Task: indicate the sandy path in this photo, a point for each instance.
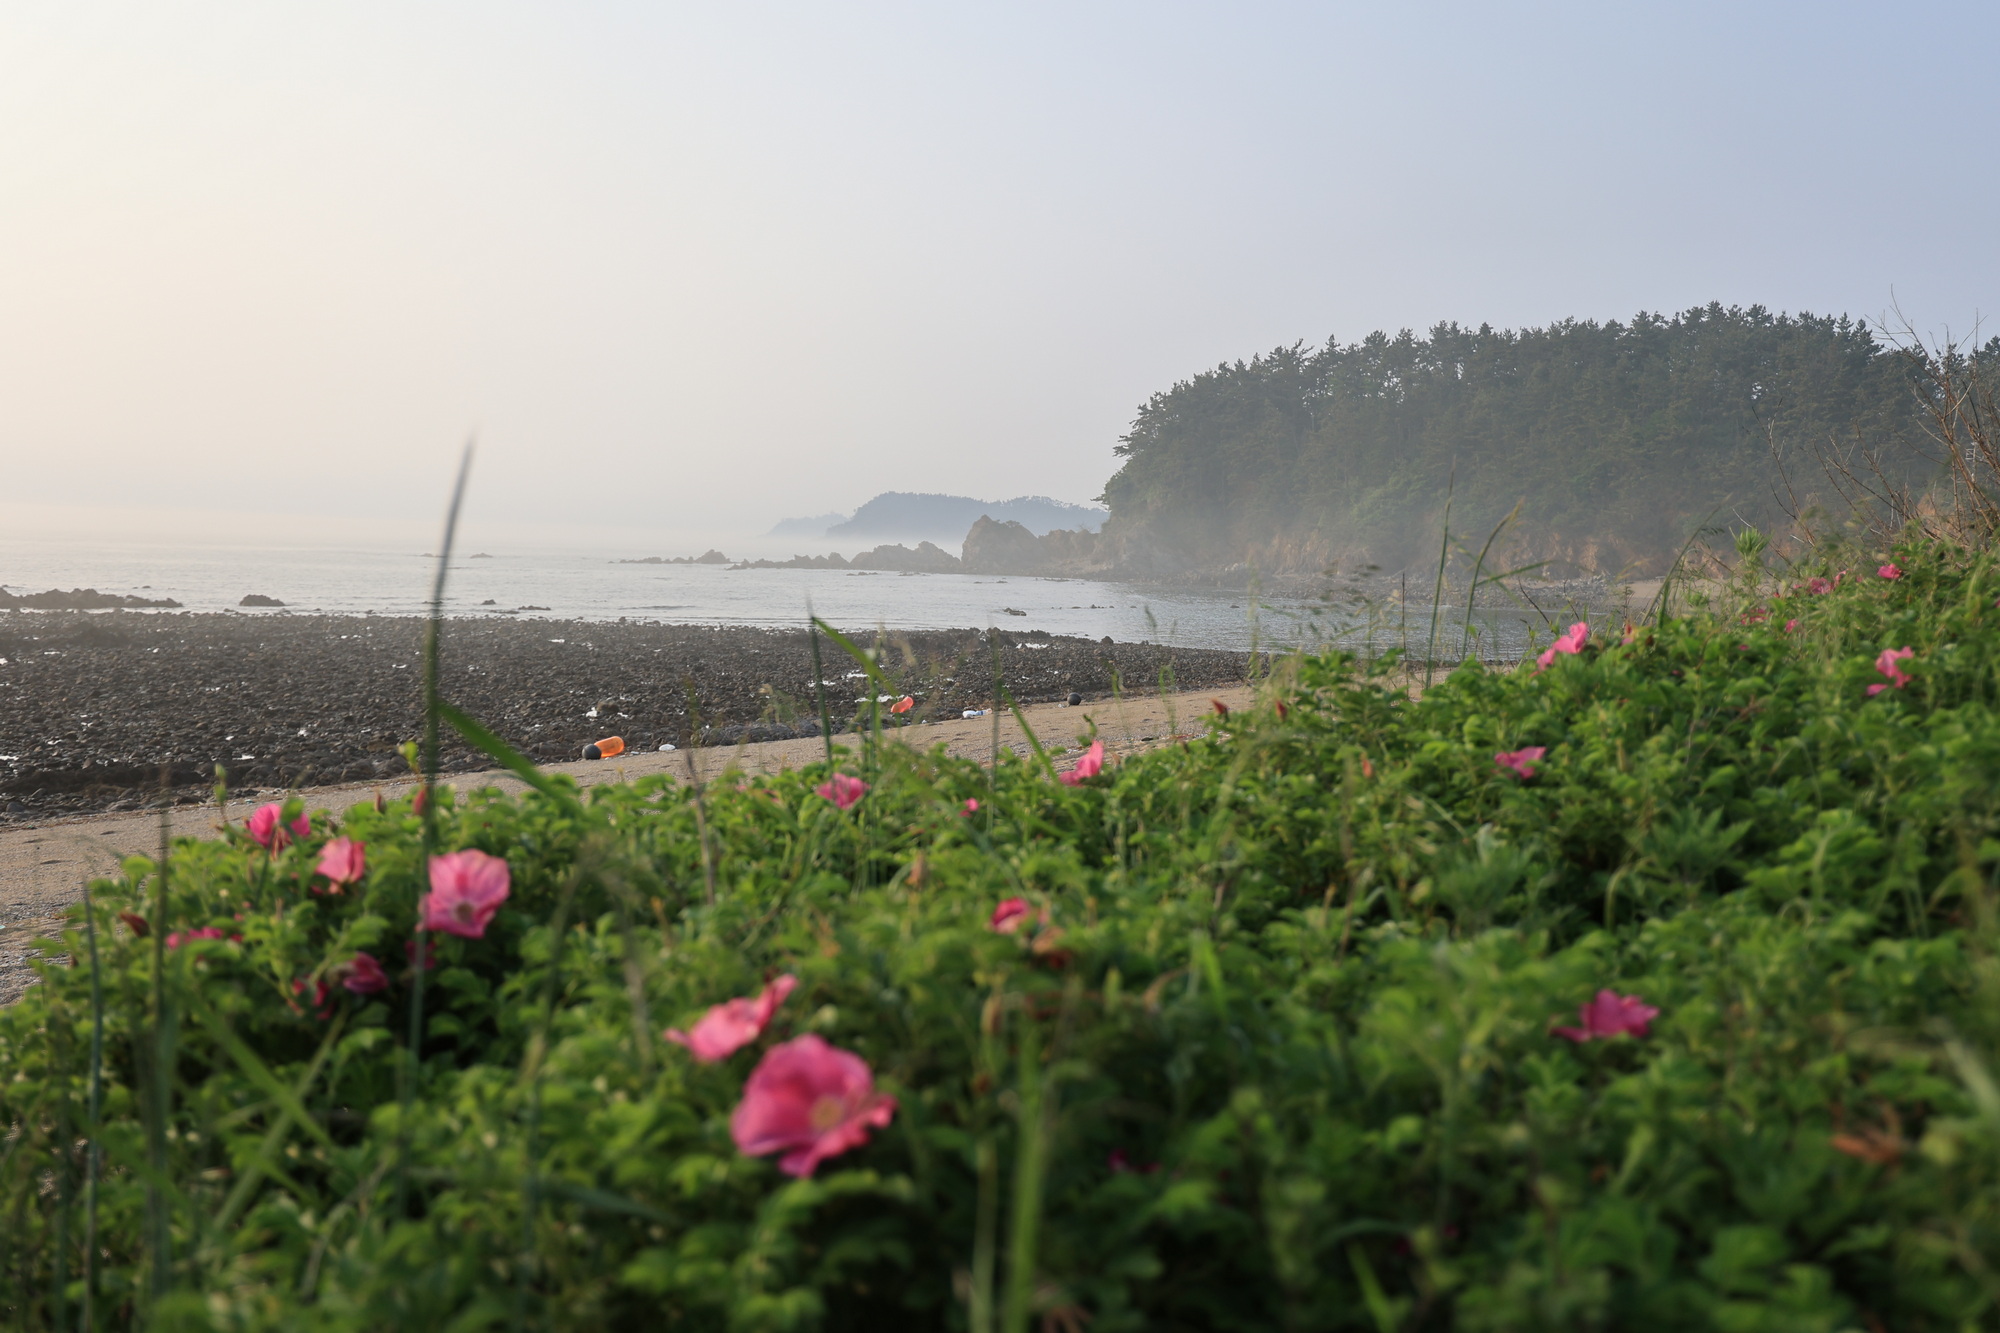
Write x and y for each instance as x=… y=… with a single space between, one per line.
x=43 y=866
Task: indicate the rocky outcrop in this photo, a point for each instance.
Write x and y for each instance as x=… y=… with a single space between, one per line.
x=1010 y=548
x=77 y=599
x=1003 y=548
x=708 y=557
x=831 y=560
x=927 y=558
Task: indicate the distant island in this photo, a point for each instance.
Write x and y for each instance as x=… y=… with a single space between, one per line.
x=708 y=557
x=941 y=518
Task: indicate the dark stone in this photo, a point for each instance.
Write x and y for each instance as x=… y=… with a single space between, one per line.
x=259 y=599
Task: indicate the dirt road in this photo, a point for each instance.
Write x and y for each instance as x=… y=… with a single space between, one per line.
x=44 y=866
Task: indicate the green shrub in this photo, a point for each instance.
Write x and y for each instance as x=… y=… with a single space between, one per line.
x=1271 y=1047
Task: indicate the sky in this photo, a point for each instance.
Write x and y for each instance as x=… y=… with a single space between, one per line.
x=694 y=268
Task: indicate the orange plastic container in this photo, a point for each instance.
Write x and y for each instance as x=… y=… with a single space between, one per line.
x=605 y=749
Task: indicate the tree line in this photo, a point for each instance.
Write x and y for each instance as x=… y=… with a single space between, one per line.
x=1617 y=439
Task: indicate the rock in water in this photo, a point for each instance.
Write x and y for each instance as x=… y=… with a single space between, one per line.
x=259 y=599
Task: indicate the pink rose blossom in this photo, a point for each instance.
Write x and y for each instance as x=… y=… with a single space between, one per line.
x=1089 y=766
x=320 y=1000
x=1889 y=571
x=1521 y=761
x=1009 y=915
x=1608 y=1015
x=1817 y=587
x=364 y=976
x=1887 y=665
x=1791 y=625
x=344 y=861
x=1571 y=642
x=1120 y=1163
x=263 y=828
x=843 y=790
x=971 y=806
x=175 y=940
x=810 y=1101
x=730 y=1026
x=467 y=888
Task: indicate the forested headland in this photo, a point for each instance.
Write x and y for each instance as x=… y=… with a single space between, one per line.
x=1617 y=440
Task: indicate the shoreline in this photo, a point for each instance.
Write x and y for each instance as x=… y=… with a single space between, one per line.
x=94 y=706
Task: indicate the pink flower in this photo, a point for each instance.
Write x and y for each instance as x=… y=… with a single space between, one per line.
x=320 y=1001
x=264 y=831
x=971 y=806
x=1521 y=761
x=430 y=954
x=1791 y=625
x=175 y=940
x=810 y=1101
x=344 y=861
x=1886 y=664
x=467 y=888
x=364 y=975
x=1629 y=637
x=1009 y=915
x=1120 y=1163
x=1818 y=587
x=1089 y=766
x=1888 y=572
x=1608 y=1015
x=843 y=790
x=730 y=1026
x=1571 y=642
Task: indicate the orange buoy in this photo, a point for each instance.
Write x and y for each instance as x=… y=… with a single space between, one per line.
x=605 y=749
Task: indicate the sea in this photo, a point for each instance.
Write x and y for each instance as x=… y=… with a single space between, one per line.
x=610 y=582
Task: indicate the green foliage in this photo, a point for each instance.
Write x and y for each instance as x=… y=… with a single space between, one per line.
x=1277 y=1056
x=1616 y=439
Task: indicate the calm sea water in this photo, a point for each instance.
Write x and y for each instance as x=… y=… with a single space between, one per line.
x=573 y=585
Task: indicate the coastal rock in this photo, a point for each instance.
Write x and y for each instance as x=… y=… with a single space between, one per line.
x=831 y=560
x=1003 y=548
x=709 y=557
x=259 y=599
x=78 y=599
x=927 y=558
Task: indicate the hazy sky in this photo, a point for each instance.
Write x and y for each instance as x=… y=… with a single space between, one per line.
x=699 y=266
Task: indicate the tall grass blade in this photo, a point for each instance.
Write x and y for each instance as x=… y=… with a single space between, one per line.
x=700 y=796
x=93 y=1149
x=819 y=685
x=159 y=1254
x=1024 y=1233
x=1478 y=568
x=433 y=714
x=1437 y=592
x=506 y=755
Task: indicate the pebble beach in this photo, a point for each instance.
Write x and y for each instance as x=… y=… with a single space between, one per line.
x=94 y=706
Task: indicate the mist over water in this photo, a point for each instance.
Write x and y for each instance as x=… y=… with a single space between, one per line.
x=573 y=585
